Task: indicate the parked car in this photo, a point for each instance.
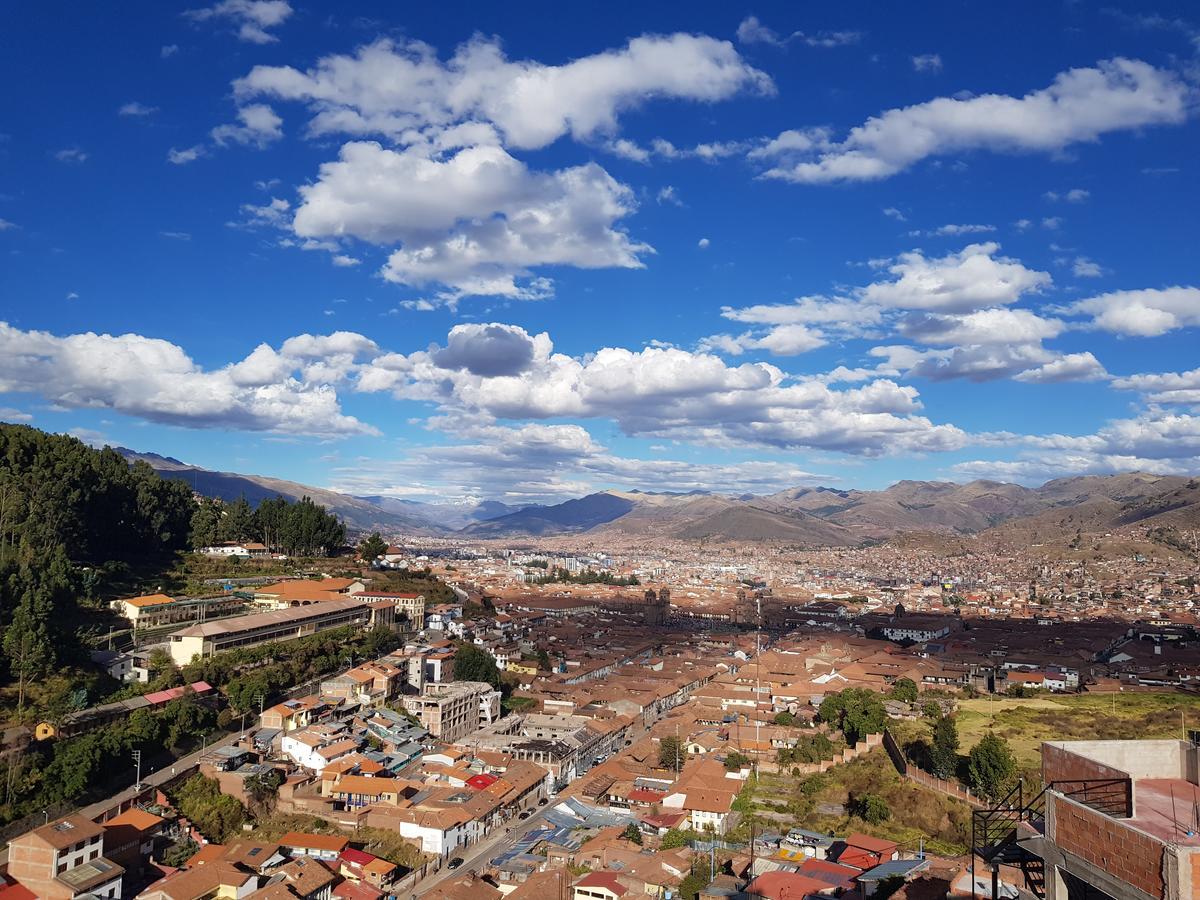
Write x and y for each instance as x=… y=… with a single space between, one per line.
x=455 y=863
x=524 y=814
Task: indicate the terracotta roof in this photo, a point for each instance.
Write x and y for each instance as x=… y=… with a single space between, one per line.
x=330 y=843
x=148 y=600
x=605 y=880
x=68 y=831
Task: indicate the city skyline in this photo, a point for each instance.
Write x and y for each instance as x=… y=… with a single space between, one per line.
x=466 y=252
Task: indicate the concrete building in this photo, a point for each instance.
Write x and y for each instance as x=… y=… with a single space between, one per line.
x=1122 y=819
x=277 y=625
x=452 y=710
x=157 y=610
x=409 y=607
x=63 y=860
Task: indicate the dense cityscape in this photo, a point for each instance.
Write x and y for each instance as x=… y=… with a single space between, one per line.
x=535 y=451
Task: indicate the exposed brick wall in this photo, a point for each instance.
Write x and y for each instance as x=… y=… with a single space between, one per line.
x=1106 y=843
x=1062 y=765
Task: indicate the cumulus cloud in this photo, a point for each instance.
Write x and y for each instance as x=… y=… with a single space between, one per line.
x=489 y=350
x=258 y=126
x=927 y=62
x=1149 y=442
x=1164 y=388
x=973 y=278
x=1070 y=367
x=672 y=393
x=252 y=18
x=395 y=88
x=987 y=326
x=1142 y=313
x=538 y=463
x=1086 y=268
x=1080 y=105
x=475 y=221
x=277 y=391
x=458 y=211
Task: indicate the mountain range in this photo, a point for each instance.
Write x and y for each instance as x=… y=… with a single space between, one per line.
x=814 y=516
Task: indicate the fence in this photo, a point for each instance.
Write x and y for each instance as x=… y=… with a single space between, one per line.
x=913 y=774
x=848 y=754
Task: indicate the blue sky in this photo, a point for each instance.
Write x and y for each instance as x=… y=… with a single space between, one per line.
x=478 y=250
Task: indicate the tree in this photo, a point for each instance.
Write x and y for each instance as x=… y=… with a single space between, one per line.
x=27 y=642
x=372 y=547
x=543 y=660
x=677 y=837
x=217 y=815
x=238 y=522
x=856 y=711
x=991 y=767
x=262 y=790
x=870 y=808
x=696 y=881
x=632 y=833
x=735 y=761
x=670 y=753
x=785 y=718
x=474 y=664
x=931 y=710
x=904 y=689
x=943 y=756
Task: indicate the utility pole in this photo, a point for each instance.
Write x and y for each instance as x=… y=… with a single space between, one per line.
x=137 y=761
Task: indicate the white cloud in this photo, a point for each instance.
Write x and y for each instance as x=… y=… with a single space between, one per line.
x=1074 y=195
x=1071 y=367
x=259 y=126
x=157 y=381
x=892 y=213
x=5 y=225
x=168 y=50
x=956 y=230
x=137 y=110
x=752 y=31
x=343 y=261
x=1165 y=388
x=398 y=88
x=1086 y=268
x=186 y=155
x=1080 y=106
x=1142 y=313
x=782 y=340
x=669 y=195
x=1052 y=223
x=674 y=394
x=973 y=278
x=927 y=62
x=8 y=414
x=252 y=18
x=71 y=155
x=986 y=326
x=547 y=463
x=703 y=243
x=176 y=235
x=475 y=221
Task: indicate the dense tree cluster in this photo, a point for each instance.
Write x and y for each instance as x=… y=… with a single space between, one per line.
x=473 y=664
x=248 y=673
x=810 y=748
x=991 y=767
x=302 y=528
x=75 y=769
x=856 y=711
x=69 y=513
x=559 y=575
x=218 y=816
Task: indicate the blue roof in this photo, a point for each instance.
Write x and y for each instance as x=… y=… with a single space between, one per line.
x=902 y=867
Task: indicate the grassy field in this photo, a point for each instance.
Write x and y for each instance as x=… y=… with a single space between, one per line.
x=1026 y=723
x=818 y=802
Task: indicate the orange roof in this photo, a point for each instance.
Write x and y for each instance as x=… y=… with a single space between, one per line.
x=310 y=841
x=135 y=818
x=148 y=600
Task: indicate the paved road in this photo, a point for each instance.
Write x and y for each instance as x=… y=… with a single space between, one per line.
x=477 y=856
